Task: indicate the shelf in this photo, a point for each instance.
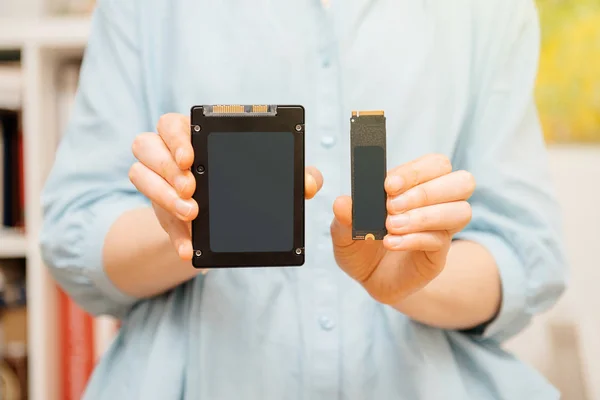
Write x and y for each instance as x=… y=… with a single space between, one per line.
x=13 y=243
x=52 y=33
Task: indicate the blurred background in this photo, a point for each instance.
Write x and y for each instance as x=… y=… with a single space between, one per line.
x=49 y=346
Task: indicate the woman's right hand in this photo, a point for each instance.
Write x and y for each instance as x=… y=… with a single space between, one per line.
x=162 y=173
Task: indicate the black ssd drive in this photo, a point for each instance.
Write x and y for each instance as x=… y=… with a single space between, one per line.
x=249 y=171
x=368 y=159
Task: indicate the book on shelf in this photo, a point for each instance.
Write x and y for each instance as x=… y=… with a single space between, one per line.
x=12 y=187
x=12 y=184
x=83 y=340
x=13 y=329
x=13 y=299
x=76 y=332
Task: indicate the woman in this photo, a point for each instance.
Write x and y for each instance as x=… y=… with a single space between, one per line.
x=421 y=315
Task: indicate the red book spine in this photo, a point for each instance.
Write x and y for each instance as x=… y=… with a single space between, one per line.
x=21 y=181
x=77 y=348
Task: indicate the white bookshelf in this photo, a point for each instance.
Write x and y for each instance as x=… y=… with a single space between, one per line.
x=45 y=43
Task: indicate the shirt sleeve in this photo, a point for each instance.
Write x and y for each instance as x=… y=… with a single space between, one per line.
x=515 y=212
x=88 y=187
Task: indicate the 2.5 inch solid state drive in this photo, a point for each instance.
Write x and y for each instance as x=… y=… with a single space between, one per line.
x=249 y=171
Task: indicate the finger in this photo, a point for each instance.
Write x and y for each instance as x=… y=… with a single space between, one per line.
x=421 y=170
x=313 y=182
x=450 y=217
x=341 y=227
x=174 y=130
x=422 y=241
x=181 y=239
x=151 y=151
x=455 y=186
x=161 y=193
x=179 y=233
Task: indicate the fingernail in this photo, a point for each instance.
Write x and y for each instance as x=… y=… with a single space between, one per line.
x=399 y=221
x=181 y=183
x=311 y=184
x=399 y=203
x=394 y=241
x=181 y=249
x=183 y=208
x=395 y=183
x=179 y=156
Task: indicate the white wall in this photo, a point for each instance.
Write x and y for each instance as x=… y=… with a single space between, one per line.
x=565 y=343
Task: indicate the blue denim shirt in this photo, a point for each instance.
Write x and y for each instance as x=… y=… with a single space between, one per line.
x=454 y=77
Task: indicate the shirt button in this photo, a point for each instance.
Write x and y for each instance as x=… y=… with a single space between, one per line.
x=326 y=323
x=328 y=141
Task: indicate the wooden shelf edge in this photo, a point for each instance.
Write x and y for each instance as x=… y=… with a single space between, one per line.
x=50 y=32
x=13 y=244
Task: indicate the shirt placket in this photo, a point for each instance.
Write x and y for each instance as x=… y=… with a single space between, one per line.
x=325 y=332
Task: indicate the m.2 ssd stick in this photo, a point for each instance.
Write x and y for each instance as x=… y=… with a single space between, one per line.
x=368 y=162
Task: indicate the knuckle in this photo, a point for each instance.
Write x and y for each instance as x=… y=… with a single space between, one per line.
x=188 y=187
x=420 y=195
x=170 y=200
x=138 y=144
x=389 y=226
x=164 y=168
x=435 y=243
x=427 y=218
x=134 y=172
x=173 y=128
x=142 y=144
x=443 y=162
x=391 y=207
x=418 y=219
x=164 y=123
x=178 y=125
x=412 y=175
x=190 y=181
x=436 y=216
x=471 y=182
x=440 y=240
x=467 y=212
x=171 y=124
x=468 y=180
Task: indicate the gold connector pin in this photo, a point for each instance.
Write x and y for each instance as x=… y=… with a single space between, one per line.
x=260 y=108
x=366 y=113
x=228 y=109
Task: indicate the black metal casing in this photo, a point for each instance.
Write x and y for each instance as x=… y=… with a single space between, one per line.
x=287 y=118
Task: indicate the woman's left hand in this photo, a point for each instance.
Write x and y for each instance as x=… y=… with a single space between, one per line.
x=427 y=204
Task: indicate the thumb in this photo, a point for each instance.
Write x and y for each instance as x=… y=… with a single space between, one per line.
x=358 y=258
x=341 y=228
x=313 y=182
